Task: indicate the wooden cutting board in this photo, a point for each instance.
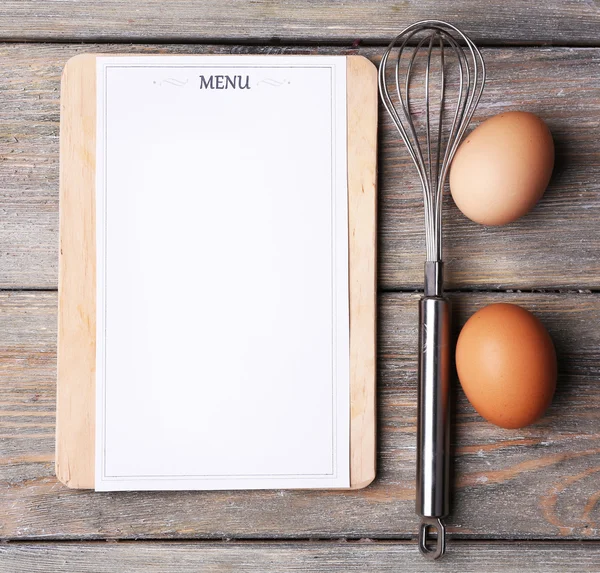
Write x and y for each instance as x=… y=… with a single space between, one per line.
x=75 y=419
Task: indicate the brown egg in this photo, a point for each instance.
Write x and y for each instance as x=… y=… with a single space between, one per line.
x=506 y=364
x=502 y=168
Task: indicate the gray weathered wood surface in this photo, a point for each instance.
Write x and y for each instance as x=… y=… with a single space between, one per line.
x=253 y=557
x=539 y=482
x=573 y=22
x=555 y=246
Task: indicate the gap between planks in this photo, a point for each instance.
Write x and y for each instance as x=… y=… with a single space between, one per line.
x=385 y=290
x=349 y=43
x=300 y=541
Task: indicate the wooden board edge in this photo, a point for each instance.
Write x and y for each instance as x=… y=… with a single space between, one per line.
x=75 y=423
x=361 y=80
x=76 y=345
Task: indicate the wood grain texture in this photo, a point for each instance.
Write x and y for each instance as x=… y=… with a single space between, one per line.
x=75 y=416
x=541 y=482
x=76 y=368
x=574 y=22
x=256 y=557
x=553 y=247
x=362 y=95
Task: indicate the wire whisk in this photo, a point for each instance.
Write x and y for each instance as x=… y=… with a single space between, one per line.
x=450 y=56
x=432 y=165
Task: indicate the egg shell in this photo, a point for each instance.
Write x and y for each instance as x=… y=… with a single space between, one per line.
x=506 y=365
x=502 y=168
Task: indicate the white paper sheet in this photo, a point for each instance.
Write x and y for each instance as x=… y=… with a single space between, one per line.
x=222 y=264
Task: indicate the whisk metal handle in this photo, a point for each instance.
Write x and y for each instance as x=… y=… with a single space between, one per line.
x=433 y=421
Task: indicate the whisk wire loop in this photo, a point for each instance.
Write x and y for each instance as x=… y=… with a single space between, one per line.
x=432 y=164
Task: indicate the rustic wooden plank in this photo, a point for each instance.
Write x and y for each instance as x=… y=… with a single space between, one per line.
x=550 y=247
x=554 y=247
x=261 y=557
x=539 y=482
x=569 y=21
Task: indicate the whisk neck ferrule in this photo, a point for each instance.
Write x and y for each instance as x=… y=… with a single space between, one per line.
x=434 y=278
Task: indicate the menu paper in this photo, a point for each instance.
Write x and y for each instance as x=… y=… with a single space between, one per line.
x=222 y=347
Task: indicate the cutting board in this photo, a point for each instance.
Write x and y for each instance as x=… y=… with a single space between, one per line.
x=75 y=420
